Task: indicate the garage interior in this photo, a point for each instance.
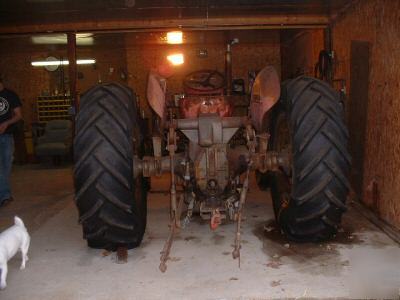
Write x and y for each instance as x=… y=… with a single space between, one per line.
x=350 y=44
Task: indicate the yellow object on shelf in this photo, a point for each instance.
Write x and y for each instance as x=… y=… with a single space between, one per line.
x=53 y=108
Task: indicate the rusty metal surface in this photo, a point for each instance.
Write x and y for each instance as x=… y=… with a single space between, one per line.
x=193 y=106
x=210 y=130
x=216 y=219
x=209 y=171
x=154 y=166
x=265 y=93
x=122 y=255
x=227 y=122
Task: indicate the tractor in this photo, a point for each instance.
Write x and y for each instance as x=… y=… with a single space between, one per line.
x=294 y=137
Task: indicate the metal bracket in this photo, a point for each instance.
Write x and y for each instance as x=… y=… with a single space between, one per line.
x=251 y=138
x=271 y=160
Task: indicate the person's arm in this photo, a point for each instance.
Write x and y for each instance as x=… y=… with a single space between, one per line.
x=17 y=115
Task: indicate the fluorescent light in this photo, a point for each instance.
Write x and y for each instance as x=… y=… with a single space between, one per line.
x=176 y=59
x=48 y=63
x=175 y=37
x=82 y=39
x=62 y=62
x=85 y=61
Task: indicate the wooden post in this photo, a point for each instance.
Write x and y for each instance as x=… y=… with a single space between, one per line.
x=72 y=70
x=328 y=41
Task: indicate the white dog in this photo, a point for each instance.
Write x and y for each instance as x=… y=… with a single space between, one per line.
x=11 y=240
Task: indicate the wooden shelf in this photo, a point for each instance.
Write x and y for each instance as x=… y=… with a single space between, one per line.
x=53 y=108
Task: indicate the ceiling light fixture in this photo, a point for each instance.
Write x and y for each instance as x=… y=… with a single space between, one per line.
x=176 y=59
x=43 y=63
x=175 y=37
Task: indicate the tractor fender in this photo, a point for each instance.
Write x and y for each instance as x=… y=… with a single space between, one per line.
x=265 y=93
x=156 y=89
x=156 y=86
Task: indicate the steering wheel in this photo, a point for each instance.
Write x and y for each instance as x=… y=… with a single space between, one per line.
x=204 y=80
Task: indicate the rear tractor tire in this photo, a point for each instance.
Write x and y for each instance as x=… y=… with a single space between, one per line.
x=309 y=197
x=111 y=202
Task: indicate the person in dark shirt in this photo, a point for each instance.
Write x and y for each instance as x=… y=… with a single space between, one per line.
x=10 y=114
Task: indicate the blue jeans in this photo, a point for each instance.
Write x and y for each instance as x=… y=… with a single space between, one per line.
x=6 y=158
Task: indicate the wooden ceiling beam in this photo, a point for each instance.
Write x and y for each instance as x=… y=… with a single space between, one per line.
x=242 y=22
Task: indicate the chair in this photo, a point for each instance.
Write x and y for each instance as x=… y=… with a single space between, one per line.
x=56 y=140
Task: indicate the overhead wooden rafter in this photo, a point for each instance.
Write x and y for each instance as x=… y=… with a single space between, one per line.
x=28 y=16
x=259 y=22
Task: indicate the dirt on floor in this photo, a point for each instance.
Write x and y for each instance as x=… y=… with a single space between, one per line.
x=360 y=262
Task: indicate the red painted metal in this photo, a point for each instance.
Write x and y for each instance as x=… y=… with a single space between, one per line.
x=215 y=220
x=191 y=107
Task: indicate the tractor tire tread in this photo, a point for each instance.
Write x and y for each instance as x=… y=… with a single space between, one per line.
x=321 y=161
x=103 y=174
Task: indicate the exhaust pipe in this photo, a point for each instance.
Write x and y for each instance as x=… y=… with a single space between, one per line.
x=228 y=65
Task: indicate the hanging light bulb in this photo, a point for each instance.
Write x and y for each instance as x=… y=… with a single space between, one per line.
x=176 y=59
x=175 y=37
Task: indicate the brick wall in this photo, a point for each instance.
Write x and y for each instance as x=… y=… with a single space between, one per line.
x=246 y=56
x=132 y=58
x=30 y=82
x=377 y=22
x=300 y=50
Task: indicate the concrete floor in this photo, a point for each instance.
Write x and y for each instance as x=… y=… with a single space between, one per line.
x=361 y=262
